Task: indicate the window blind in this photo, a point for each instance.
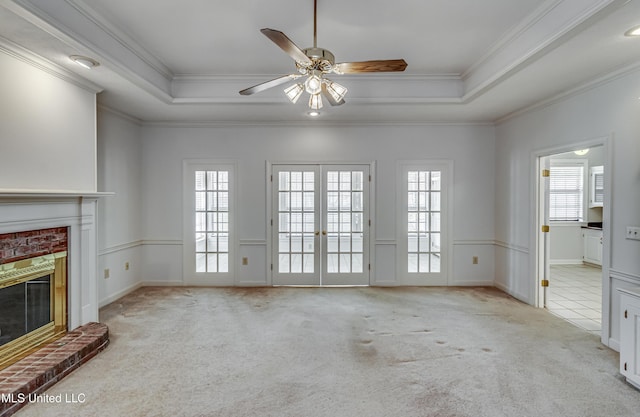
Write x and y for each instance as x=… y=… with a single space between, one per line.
x=566 y=188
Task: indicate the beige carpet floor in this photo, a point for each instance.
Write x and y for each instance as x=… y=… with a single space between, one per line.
x=341 y=352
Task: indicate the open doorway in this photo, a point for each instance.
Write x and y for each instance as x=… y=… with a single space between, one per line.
x=571 y=205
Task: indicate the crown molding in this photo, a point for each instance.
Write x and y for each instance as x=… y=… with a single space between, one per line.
x=67 y=21
x=121 y=37
x=576 y=91
x=118 y=113
x=512 y=35
x=542 y=31
x=16 y=51
x=311 y=123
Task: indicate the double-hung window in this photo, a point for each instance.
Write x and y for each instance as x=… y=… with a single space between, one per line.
x=567 y=191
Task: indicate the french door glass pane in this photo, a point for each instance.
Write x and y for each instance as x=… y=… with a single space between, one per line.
x=423 y=221
x=344 y=220
x=296 y=225
x=212 y=221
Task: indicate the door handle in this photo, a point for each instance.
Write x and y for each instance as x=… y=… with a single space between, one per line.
x=317 y=233
x=324 y=233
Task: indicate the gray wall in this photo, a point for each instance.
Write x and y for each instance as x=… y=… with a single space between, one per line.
x=606 y=111
x=47 y=130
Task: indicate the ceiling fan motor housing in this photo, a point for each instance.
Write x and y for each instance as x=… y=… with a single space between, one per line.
x=322 y=59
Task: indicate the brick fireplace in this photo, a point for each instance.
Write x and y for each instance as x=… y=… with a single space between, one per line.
x=58 y=228
x=32 y=243
x=21 y=213
x=33 y=295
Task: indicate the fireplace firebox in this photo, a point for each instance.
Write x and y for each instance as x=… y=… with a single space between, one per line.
x=33 y=303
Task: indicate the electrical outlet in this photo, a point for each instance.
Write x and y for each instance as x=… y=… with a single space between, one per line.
x=245 y=261
x=475 y=260
x=633 y=233
x=126 y=266
x=106 y=273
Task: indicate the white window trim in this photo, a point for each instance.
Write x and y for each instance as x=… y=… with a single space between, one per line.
x=190 y=276
x=424 y=279
x=584 y=163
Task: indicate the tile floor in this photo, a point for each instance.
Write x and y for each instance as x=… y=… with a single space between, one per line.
x=575 y=294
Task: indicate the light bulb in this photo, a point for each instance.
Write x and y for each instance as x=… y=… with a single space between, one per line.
x=313 y=85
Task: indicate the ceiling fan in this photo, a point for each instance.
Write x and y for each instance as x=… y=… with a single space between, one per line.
x=315 y=63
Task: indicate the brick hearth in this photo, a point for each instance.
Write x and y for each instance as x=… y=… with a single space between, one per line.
x=32 y=375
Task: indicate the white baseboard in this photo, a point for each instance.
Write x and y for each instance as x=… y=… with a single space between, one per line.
x=253 y=284
x=565 y=262
x=506 y=289
x=614 y=344
x=119 y=294
x=163 y=284
x=472 y=283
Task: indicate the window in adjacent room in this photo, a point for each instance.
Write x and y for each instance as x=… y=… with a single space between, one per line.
x=566 y=191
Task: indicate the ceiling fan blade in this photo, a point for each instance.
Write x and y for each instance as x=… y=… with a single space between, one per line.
x=268 y=84
x=388 y=65
x=329 y=97
x=286 y=45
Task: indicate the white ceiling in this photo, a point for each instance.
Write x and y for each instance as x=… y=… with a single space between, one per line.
x=468 y=60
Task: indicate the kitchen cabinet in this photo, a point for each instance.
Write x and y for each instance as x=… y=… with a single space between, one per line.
x=630 y=335
x=596 y=186
x=592 y=246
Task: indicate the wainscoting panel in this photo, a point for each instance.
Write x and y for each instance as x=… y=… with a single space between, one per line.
x=464 y=271
x=256 y=270
x=124 y=266
x=512 y=263
x=162 y=260
x=618 y=279
x=384 y=263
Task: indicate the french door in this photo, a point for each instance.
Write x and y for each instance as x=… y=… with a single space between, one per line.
x=320 y=224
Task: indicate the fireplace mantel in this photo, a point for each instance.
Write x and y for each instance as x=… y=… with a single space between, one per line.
x=23 y=210
x=48 y=194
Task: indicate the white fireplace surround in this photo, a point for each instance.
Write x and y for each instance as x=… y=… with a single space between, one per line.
x=77 y=211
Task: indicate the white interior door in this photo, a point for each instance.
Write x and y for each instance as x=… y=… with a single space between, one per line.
x=320 y=224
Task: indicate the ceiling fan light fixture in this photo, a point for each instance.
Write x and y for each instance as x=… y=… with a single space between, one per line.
x=313 y=64
x=315 y=102
x=294 y=92
x=336 y=90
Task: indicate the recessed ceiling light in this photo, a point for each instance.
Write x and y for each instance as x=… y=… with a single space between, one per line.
x=581 y=152
x=313 y=113
x=634 y=31
x=84 y=61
